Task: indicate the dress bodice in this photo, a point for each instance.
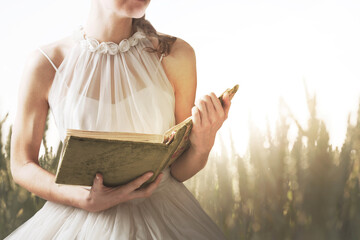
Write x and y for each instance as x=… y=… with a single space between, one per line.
x=112 y=87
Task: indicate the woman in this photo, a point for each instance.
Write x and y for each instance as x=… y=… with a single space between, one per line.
x=115 y=74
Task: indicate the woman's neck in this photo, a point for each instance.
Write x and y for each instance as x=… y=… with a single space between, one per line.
x=106 y=26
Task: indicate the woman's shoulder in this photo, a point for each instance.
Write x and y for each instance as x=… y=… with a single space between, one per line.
x=181 y=56
x=38 y=71
x=180 y=64
x=55 y=50
x=179 y=50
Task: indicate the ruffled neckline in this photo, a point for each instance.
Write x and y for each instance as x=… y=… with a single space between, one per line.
x=111 y=48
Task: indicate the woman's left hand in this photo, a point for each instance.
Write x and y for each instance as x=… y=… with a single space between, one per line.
x=208 y=115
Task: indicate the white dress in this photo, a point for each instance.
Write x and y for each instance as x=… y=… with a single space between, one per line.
x=118 y=87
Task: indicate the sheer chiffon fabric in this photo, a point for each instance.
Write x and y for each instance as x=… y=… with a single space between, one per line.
x=121 y=88
x=126 y=92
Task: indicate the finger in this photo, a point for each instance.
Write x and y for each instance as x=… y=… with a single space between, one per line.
x=98 y=182
x=131 y=186
x=203 y=113
x=196 y=116
x=217 y=105
x=147 y=191
x=211 y=111
x=99 y=179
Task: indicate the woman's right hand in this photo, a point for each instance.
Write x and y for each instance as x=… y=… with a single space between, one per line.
x=100 y=197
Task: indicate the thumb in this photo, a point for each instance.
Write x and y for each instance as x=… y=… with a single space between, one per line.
x=98 y=180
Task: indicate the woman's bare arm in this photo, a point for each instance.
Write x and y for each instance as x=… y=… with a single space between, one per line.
x=28 y=131
x=208 y=114
x=26 y=138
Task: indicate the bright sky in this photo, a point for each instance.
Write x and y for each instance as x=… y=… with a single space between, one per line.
x=267 y=47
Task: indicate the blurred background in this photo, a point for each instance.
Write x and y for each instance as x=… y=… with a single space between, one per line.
x=285 y=164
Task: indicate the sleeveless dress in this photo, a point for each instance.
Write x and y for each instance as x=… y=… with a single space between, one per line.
x=118 y=87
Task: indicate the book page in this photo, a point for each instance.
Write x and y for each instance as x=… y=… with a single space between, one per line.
x=136 y=137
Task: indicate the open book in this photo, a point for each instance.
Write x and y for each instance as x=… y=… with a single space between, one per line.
x=120 y=156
